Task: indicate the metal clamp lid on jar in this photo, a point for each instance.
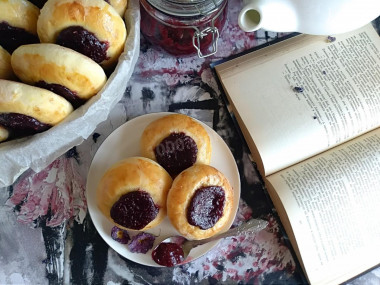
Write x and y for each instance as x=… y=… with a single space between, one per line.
x=193 y=8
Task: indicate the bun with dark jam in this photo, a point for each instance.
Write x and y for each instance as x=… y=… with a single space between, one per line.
x=26 y=110
x=132 y=193
x=59 y=69
x=176 y=142
x=200 y=202
x=91 y=27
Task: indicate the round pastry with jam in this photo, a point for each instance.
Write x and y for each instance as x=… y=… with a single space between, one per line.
x=176 y=142
x=18 y=24
x=27 y=110
x=61 y=70
x=200 y=202
x=132 y=193
x=93 y=28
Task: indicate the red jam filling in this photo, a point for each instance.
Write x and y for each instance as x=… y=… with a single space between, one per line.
x=63 y=91
x=20 y=125
x=84 y=42
x=206 y=207
x=176 y=153
x=134 y=210
x=13 y=37
x=168 y=254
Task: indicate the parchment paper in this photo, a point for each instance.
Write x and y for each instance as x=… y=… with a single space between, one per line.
x=38 y=151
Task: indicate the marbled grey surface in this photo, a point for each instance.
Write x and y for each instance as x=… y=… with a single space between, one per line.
x=47 y=236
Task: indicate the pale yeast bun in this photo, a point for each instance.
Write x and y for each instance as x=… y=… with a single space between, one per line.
x=20 y=14
x=163 y=127
x=96 y=16
x=6 y=71
x=180 y=196
x=43 y=105
x=55 y=64
x=130 y=175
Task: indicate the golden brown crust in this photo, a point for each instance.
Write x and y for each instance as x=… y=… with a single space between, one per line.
x=4 y=134
x=130 y=175
x=6 y=71
x=20 y=14
x=120 y=6
x=41 y=104
x=182 y=191
x=159 y=129
x=96 y=16
x=58 y=65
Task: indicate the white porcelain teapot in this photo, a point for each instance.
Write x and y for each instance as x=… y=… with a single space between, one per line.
x=319 y=17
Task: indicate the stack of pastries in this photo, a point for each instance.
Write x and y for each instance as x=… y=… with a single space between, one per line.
x=54 y=56
x=173 y=178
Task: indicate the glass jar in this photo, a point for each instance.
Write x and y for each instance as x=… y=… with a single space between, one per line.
x=183 y=27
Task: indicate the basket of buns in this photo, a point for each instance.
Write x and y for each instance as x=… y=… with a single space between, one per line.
x=64 y=64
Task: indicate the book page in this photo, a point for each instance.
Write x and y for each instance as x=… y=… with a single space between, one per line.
x=332 y=208
x=305 y=95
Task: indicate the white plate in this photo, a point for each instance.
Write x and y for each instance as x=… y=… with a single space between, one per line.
x=123 y=143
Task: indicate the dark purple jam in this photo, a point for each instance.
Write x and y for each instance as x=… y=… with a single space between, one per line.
x=63 y=91
x=206 y=207
x=176 y=153
x=134 y=210
x=20 y=125
x=168 y=254
x=84 y=42
x=13 y=37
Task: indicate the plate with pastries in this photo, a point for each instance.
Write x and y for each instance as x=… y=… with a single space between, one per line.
x=160 y=175
x=63 y=65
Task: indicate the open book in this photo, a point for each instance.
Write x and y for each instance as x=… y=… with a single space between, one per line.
x=309 y=109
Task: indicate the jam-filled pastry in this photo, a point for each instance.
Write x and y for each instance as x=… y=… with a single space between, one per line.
x=26 y=110
x=4 y=134
x=176 y=142
x=6 y=71
x=18 y=23
x=61 y=70
x=132 y=193
x=119 y=5
x=200 y=202
x=91 y=27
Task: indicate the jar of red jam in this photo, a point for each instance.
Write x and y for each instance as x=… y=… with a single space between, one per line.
x=183 y=27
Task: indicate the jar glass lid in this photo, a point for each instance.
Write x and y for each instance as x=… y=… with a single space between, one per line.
x=186 y=8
